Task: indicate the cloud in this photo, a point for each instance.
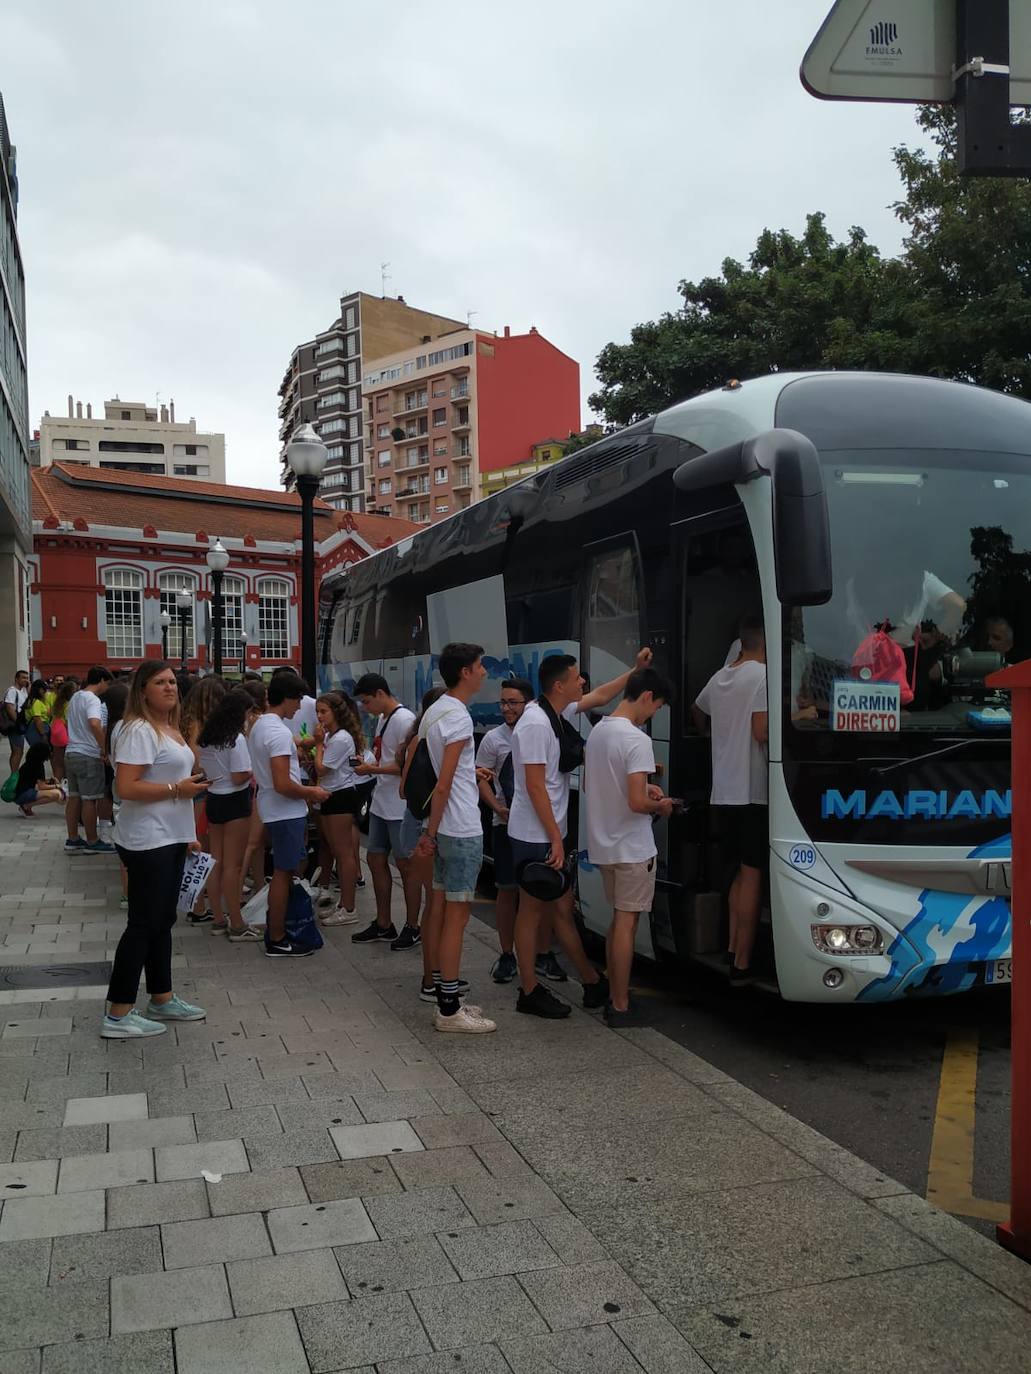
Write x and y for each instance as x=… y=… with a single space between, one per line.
x=201 y=182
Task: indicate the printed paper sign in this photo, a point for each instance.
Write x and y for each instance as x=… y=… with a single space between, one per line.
x=866 y=707
x=195 y=875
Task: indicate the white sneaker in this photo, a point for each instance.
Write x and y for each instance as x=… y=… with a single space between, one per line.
x=466 y=1021
x=130 y=1027
x=340 y=917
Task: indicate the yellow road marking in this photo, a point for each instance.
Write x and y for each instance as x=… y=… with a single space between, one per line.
x=950 y=1169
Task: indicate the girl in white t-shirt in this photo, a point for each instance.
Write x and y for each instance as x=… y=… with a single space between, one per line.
x=223 y=754
x=339 y=743
x=157 y=783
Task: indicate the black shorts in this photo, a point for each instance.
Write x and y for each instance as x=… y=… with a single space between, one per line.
x=346 y=802
x=745 y=831
x=228 y=806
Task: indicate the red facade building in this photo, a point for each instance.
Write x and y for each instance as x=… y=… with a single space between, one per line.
x=112 y=550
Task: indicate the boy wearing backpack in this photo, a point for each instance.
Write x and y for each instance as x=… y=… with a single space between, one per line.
x=14 y=701
x=546 y=750
x=446 y=773
x=495 y=755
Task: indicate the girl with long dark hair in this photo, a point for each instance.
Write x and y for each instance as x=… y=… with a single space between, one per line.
x=339 y=745
x=59 y=726
x=156 y=782
x=226 y=761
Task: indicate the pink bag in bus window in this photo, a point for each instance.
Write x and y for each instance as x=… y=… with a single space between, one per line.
x=884 y=661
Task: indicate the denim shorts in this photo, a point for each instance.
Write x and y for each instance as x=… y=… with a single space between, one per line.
x=287 y=839
x=411 y=829
x=504 y=864
x=385 y=836
x=456 y=866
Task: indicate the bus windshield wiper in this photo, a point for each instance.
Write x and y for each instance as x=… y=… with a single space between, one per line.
x=952 y=747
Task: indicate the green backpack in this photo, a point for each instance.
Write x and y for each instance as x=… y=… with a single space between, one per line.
x=10 y=789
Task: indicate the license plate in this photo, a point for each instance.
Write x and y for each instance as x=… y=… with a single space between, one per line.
x=999 y=971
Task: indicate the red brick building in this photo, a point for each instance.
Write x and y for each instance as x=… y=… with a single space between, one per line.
x=111 y=550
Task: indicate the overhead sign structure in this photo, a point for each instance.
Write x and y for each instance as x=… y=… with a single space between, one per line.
x=974 y=54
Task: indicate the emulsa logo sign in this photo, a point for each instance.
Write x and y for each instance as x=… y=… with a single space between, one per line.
x=884 y=40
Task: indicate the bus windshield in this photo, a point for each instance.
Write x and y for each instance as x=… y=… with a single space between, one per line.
x=931 y=554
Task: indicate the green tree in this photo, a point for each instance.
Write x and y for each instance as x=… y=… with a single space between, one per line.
x=956 y=303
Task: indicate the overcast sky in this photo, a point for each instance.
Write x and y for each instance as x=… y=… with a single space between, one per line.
x=201 y=181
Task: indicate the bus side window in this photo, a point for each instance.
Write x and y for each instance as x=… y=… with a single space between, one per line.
x=535 y=617
x=720 y=585
x=612 y=614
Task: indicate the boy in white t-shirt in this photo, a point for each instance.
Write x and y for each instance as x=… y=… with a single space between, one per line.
x=454 y=832
x=283 y=802
x=733 y=705
x=621 y=806
x=538 y=818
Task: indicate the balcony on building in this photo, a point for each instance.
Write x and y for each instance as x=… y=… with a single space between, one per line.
x=406 y=408
x=420 y=488
x=462 y=480
x=461 y=421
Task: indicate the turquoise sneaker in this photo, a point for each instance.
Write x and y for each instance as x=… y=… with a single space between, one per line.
x=133 y=1026
x=175 y=1010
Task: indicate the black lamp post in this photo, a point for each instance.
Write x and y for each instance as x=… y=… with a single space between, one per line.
x=165 y=620
x=306 y=454
x=183 y=604
x=218 y=561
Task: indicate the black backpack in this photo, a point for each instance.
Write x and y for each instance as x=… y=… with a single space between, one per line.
x=570 y=741
x=421 y=782
x=506 y=779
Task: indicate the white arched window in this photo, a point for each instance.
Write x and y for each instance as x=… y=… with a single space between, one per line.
x=169 y=584
x=274 y=617
x=232 y=615
x=123 y=612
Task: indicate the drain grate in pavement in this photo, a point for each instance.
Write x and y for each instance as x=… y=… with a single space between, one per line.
x=54 y=975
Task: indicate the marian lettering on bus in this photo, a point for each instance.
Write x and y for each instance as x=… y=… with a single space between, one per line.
x=866 y=707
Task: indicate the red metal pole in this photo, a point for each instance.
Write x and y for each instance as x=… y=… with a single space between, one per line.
x=1015 y=1234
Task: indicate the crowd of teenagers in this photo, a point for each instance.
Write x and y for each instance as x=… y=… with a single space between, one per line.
x=272 y=782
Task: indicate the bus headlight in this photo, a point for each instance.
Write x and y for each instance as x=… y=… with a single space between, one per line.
x=842 y=939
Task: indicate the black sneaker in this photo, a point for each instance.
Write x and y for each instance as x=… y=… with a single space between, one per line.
x=548 y=966
x=374 y=931
x=740 y=977
x=622 y=1020
x=359 y=882
x=283 y=949
x=505 y=968
x=596 y=994
x=410 y=937
x=200 y=918
x=541 y=1002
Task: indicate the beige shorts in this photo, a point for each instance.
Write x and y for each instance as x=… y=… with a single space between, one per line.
x=629 y=887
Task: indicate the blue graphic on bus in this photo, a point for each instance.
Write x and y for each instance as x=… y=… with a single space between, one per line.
x=920 y=804
x=952 y=933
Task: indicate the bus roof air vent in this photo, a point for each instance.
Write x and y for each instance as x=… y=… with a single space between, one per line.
x=598 y=458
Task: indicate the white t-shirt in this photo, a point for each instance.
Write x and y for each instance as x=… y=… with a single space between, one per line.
x=83 y=707
x=150 y=825
x=739 y=762
x=220 y=764
x=16 y=697
x=534 y=741
x=448 y=722
x=615 y=834
x=338 y=751
x=494 y=749
x=270 y=738
x=387 y=801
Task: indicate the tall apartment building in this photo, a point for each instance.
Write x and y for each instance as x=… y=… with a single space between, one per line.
x=15 y=499
x=440 y=417
x=132 y=437
x=322 y=385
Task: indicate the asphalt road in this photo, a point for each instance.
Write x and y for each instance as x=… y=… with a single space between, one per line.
x=865 y=1076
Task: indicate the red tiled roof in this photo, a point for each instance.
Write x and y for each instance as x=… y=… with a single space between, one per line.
x=132 y=500
x=376 y=530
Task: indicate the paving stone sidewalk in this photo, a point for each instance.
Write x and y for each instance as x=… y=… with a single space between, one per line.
x=314 y=1179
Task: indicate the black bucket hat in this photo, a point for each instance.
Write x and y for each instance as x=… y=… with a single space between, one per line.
x=539 y=880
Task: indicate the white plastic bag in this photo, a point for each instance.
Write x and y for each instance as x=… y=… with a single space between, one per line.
x=255 y=909
x=195 y=874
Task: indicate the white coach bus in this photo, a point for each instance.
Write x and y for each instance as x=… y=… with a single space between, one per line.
x=881 y=525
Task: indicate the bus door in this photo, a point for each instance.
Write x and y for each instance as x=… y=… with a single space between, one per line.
x=612 y=630
x=719 y=584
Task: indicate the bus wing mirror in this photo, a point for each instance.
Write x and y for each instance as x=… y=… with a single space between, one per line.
x=801 y=533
